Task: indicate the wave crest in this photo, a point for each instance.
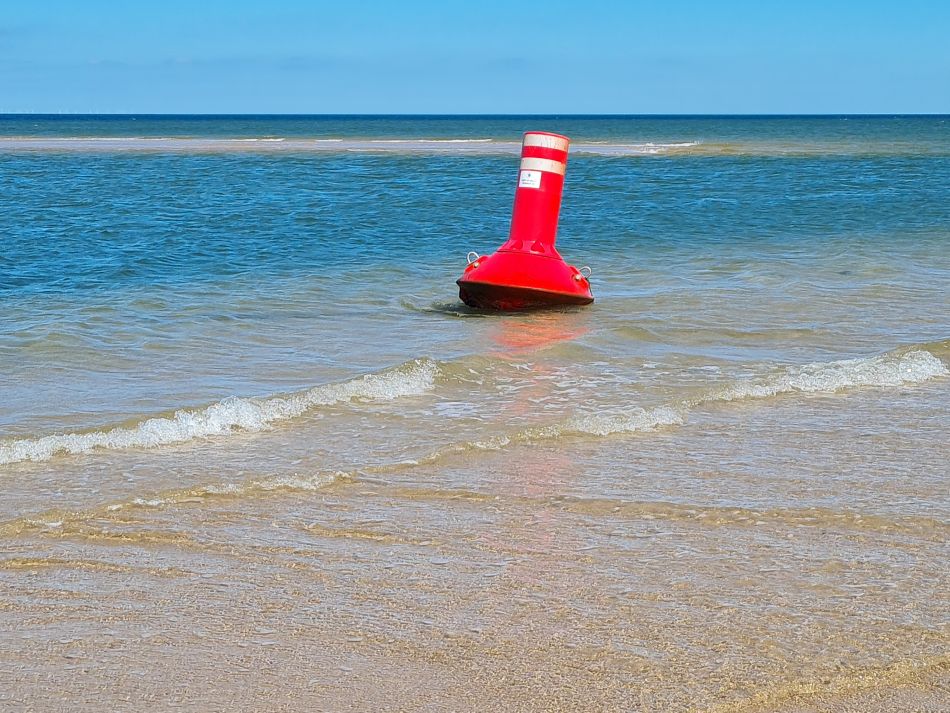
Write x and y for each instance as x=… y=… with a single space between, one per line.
x=230 y=414
x=634 y=420
x=898 y=368
x=892 y=369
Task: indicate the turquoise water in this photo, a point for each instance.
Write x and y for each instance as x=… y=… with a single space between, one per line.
x=205 y=332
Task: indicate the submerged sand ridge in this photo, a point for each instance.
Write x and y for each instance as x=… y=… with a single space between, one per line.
x=447 y=147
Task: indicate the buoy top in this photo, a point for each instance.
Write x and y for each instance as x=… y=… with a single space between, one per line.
x=545 y=141
x=543 y=151
x=547 y=133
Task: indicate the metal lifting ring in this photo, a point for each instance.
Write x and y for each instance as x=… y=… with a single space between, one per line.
x=589 y=271
x=470 y=258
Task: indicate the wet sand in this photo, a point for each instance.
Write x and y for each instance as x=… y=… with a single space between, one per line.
x=495 y=586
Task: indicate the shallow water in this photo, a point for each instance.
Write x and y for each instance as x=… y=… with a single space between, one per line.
x=245 y=418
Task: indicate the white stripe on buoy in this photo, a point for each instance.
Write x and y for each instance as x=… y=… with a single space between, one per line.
x=543 y=164
x=547 y=142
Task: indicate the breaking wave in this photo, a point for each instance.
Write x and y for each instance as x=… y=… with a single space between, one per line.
x=891 y=369
x=885 y=370
x=898 y=368
x=230 y=414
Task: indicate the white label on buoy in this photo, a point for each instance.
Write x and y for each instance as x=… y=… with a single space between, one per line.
x=529 y=179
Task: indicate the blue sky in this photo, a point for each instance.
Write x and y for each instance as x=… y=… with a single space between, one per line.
x=482 y=56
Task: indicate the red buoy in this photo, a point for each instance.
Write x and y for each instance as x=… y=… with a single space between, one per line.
x=527 y=271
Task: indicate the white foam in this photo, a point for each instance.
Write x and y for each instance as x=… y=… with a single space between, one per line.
x=45 y=523
x=423 y=141
x=603 y=424
x=886 y=370
x=294 y=482
x=199 y=494
x=88 y=138
x=493 y=443
x=606 y=423
x=627 y=421
x=231 y=414
x=645 y=149
x=892 y=369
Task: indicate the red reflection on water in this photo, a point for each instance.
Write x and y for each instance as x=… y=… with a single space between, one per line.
x=535 y=472
x=516 y=336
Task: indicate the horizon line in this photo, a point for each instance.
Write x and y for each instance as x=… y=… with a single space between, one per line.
x=478 y=116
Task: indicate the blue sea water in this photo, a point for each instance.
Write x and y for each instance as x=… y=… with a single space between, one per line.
x=146 y=235
x=142 y=277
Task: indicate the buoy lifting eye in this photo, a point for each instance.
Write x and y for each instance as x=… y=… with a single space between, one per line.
x=470 y=257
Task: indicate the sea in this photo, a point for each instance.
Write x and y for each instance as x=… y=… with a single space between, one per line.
x=255 y=453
